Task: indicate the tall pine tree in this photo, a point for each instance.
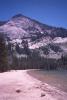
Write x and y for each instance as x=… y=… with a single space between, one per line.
x=3 y=54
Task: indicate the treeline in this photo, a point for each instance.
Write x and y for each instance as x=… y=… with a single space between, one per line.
x=32 y=61
x=36 y=62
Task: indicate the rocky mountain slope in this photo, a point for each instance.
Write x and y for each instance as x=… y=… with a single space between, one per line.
x=2 y=22
x=39 y=36
x=26 y=27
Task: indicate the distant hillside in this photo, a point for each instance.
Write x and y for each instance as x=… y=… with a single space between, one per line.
x=26 y=37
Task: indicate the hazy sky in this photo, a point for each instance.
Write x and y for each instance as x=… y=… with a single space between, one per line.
x=51 y=12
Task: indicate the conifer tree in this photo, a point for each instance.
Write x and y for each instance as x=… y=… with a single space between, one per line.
x=3 y=54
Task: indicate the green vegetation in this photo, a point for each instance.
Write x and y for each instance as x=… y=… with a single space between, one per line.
x=3 y=54
x=33 y=60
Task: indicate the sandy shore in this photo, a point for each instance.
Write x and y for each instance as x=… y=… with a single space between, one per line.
x=19 y=85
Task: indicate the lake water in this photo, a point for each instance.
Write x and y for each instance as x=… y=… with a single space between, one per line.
x=57 y=79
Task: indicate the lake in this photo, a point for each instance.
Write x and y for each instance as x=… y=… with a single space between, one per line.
x=57 y=79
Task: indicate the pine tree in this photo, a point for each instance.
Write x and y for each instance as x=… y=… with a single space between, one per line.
x=25 y=46
x=3 y=54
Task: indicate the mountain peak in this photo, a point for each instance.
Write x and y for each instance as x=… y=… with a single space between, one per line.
x=18 y=15
x=23 y=25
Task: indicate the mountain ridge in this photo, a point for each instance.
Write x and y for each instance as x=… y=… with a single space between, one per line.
x=40 y=37
x=30 y=26
x=19 y=14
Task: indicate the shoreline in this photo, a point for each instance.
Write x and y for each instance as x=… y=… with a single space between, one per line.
x=56 y=79
x=19 y=85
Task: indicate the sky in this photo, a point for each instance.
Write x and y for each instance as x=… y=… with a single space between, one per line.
x=51 y=12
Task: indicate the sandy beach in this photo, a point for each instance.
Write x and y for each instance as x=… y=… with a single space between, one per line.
x=19 y=85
